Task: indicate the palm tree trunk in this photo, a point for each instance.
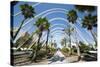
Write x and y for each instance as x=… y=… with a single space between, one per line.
x=36 y=50
x=70 y=52
x=78 y=51
x=18 y=29
x=47 y=40
x=94 y=37
x=77 y=45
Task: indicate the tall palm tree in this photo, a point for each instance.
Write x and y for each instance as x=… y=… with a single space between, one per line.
x=46 y=27
x=77 y=45
x=47 y=39
x=72 y=17
x=27 y=12
x=90 y=10
x=89 y=22
x=69 y=32
x=42 y=25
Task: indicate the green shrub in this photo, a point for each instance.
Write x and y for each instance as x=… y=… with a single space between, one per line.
x=84 y=47
x=65 y=50
x=41 y=54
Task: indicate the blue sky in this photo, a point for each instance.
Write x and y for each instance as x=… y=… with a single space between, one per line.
x=57 y=17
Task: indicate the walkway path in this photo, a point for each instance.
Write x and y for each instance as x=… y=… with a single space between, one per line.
x=21 y=59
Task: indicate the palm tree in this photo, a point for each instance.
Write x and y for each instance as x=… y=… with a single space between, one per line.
x=72 y=17
x=69 y=32
x=88 y=10
x=89 y=17
x=77 y=45
x=47 y=25
x=42 y=25
x=89 y=22
x=47 y=39
x=27 y=12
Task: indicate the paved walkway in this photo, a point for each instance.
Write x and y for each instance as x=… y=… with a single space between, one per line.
x=58 y=58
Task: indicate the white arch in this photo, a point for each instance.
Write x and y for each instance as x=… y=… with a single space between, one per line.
x=68 y=23
x=53 y=25
x=44 y=35
x=46 y=11
x=57 y=32
x=58 y=25
x=56 y=29
x=79 y=19
x=72 y=37
x=53 y=12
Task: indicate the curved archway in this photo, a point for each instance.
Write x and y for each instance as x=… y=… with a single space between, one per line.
x=53 y=12
x=56 y=29
x=46 y=11
x=60 y=25
x=62 y=11
x=56 y=18
x=78 y=31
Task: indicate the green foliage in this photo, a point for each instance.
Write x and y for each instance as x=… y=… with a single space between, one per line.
x=65 y=50
x=27 y=11
x=84 y=47
x=52 y=50
x=84 y=8
x=41 y=54
x=42 y=24
x=47 y=26
x=72 y=16
x=89 y=21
